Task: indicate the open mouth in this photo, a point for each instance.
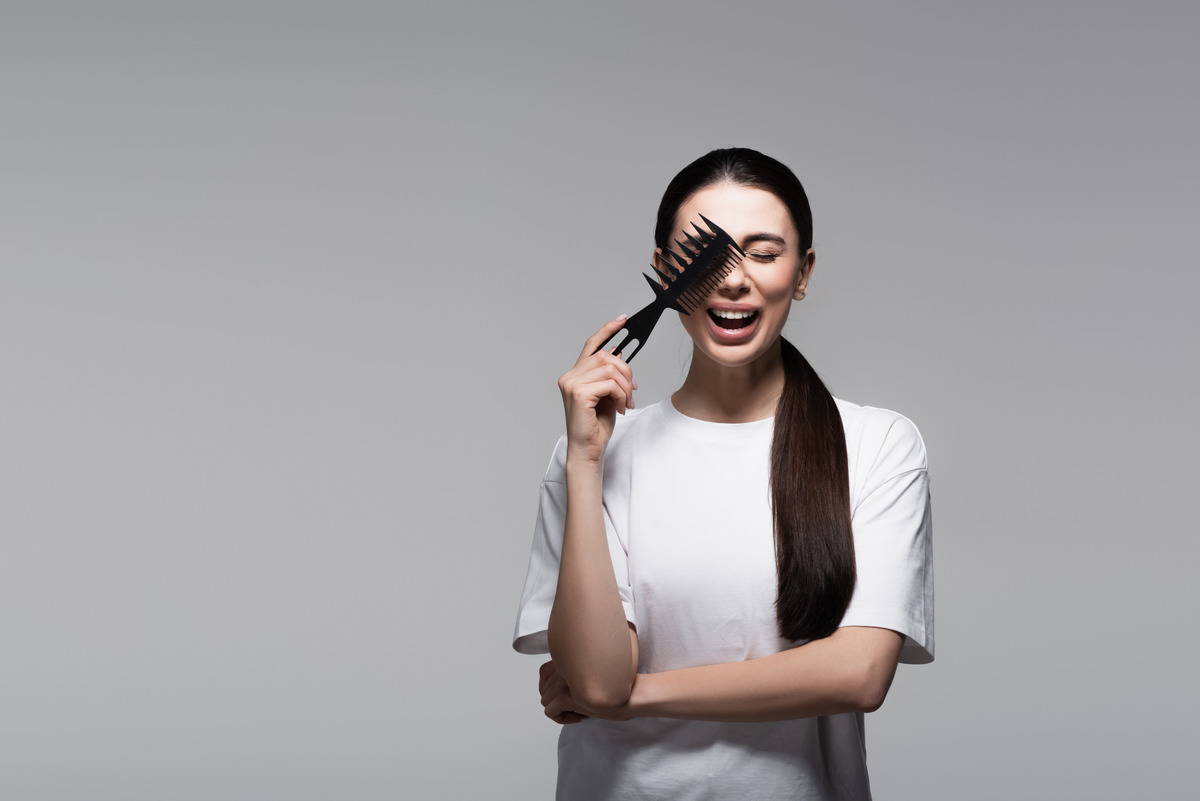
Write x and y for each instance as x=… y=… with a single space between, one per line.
x=732 y=320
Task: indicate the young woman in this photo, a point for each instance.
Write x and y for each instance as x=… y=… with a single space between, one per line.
x=726 y=580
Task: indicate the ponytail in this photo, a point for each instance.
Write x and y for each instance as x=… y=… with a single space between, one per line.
x=810 y=501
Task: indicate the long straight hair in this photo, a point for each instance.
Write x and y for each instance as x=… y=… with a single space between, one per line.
x=810 y=482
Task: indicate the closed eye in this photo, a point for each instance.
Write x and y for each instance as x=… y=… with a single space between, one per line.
x=764 y=257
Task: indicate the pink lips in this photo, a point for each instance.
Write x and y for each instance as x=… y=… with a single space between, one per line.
x=733 y=336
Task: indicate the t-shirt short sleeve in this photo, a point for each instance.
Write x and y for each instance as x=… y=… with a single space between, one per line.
x=541 y=579
x=893 y=547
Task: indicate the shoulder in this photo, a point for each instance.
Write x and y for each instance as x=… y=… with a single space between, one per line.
x=628 y=429
x=881 y=443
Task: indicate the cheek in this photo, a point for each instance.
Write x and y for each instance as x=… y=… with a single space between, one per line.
x=695 y=320
x=777 y=289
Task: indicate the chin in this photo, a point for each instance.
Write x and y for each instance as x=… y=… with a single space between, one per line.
x=732 y=356
x=734 y=348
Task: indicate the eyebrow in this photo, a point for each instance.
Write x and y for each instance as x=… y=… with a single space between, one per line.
x=764 y=237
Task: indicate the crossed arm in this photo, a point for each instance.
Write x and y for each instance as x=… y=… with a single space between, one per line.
x=594 y=651
x=851 y=670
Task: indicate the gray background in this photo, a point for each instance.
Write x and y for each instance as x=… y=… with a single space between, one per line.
x=286 y=288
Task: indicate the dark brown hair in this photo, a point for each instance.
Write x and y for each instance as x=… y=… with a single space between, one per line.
x=810 y=483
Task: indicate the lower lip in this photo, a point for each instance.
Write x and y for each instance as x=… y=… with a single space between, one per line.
x=733 y=336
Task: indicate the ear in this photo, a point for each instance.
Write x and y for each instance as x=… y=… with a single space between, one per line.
x=807 y=265
x=660 y=264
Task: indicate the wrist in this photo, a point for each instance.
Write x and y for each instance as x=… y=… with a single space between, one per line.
x=583 y=465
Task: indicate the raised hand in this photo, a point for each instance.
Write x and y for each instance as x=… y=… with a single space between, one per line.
x=594 y=391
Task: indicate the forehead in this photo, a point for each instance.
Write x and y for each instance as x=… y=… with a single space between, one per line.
x=741 y=210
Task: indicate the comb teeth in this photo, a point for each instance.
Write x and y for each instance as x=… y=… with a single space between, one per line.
x=683 y=264
x=693 y=296
x=700 y=265
x=687 y=250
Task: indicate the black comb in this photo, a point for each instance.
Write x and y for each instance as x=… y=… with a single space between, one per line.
x=708 y=258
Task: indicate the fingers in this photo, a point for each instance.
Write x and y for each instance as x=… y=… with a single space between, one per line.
x=556 y=712
x=610 y=360
x=601 y=385
x=566 y=717
x=585 y=384
x=606 y=331
x=555 y=695
x=593 y=343
x=554 y=690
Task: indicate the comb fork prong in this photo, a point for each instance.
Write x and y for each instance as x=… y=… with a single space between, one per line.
x=620 y=345
x=638 y=327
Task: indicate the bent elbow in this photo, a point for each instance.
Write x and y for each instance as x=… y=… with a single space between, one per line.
x=868 y=661
x=872 y=689
x=601 y=699
x=871 y=698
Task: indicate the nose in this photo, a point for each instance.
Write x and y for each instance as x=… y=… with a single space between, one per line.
x=735 y=282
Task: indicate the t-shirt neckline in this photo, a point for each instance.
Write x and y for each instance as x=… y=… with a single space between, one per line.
x=708 y=428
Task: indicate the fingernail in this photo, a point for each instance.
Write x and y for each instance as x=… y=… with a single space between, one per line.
x=630 y=401
x=635 y=383
x=622 y=317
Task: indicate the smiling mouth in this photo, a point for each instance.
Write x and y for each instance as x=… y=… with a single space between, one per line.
x=732 y=320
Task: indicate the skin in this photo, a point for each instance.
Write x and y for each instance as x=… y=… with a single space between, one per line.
x=733 y=378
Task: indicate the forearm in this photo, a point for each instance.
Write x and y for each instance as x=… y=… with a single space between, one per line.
x=849 y=671
x=589 y=636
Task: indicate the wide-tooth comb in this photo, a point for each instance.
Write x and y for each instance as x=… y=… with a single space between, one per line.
x=708 y=258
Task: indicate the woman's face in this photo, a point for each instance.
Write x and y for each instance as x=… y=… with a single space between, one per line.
x=744 y=316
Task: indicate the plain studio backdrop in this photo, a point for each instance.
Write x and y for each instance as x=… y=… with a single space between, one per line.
x=287 y=286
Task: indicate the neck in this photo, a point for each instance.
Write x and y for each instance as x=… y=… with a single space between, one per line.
x=721 y=394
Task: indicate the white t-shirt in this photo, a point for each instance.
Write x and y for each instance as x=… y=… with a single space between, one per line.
x=690 y=532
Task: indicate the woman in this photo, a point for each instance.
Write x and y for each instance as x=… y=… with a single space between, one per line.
x=726 y=580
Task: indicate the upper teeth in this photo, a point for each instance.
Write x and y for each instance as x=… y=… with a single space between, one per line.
x=732 y=315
